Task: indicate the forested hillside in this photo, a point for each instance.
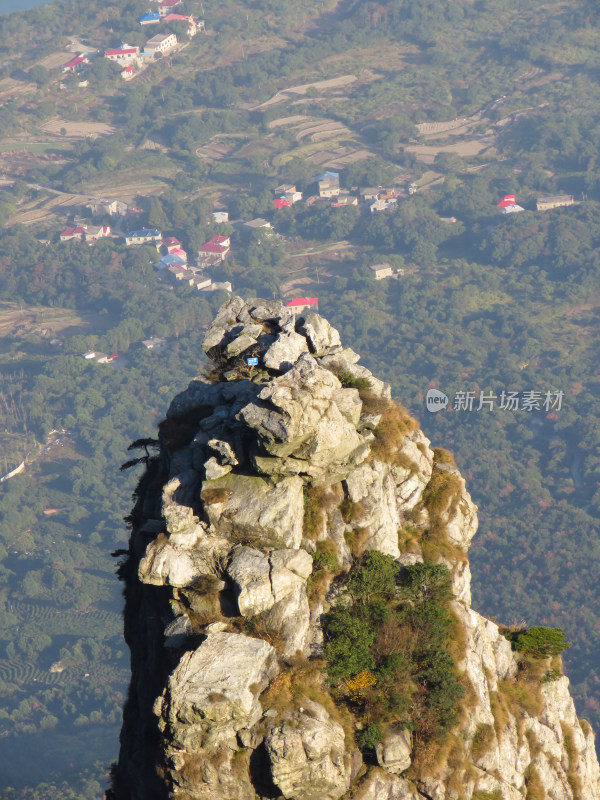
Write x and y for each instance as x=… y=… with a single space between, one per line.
x=464 y=101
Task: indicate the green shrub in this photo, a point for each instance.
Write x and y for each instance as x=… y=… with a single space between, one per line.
x=348 y=381
x=370 y=736
x=376 y=578
x=539 y=642
x=443 y=689
x=397 y=626
x=427 y=583
x=326 y=556
x=399 y=704
x=348 y=641
x=326 y=559
x=552 y=675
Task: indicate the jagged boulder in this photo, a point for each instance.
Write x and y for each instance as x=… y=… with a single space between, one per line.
x=289 y=571
x=176 y=502
x=213 y=691
x=290 y=619
x=285 y=351
x=373 y=486
x=394 y=752
x=380 y=785
x=254 y=510
x=460 y=516
x=295 y=414
x=321 y=336
x=307 y=755
x=250 y=573
x=181 y=564
x=275 y=583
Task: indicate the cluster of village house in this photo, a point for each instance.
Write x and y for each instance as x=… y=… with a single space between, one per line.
x=174 y=263
x=174 y=260
x=134 y=59
x=509 y=205
x=328 y=185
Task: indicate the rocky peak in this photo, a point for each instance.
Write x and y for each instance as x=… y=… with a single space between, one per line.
x=249 y=553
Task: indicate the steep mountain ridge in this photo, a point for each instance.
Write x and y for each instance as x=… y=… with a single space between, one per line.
x=298 y=602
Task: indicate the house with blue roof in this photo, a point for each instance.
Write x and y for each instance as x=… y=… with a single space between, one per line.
x=150 y=18
x=170 y=260
x=329 y=184
x=328 y=175
x=144 y=236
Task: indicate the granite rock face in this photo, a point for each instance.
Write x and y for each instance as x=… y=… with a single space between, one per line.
x=260 y=474
x=307 y=755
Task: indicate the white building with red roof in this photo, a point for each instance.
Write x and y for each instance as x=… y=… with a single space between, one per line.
x=171 y=243
x=298 y=304
x=192 y=28
x=77 y=232
x=215 y=249
x=179 y=252
x=126 y=54
x=76 y=63
x=95 y=232
x=165 y=7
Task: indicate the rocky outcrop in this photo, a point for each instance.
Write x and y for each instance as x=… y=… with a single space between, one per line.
x=307 y=755
x=271 y=482
x=394 y=752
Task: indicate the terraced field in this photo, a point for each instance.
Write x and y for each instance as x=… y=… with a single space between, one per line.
x=24 y=673
x=56 y=622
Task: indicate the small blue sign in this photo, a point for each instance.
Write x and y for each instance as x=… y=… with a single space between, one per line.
x=252 y=362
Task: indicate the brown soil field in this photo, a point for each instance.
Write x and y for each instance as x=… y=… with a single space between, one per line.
x=11 y=88
x=288 y=120
x=239 y=51
x=324 y=130
x=427 y=153
x=80 y=130
x=55 y=60
x=15 y=321
x=334 y=132
x=47 y=207
x=20 y=162
x=338 y=158
x=436 y=128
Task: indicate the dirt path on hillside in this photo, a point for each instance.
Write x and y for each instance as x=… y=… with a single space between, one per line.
x=285 y=94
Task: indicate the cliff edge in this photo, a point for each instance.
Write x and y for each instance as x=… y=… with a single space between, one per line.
x=298 y=602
